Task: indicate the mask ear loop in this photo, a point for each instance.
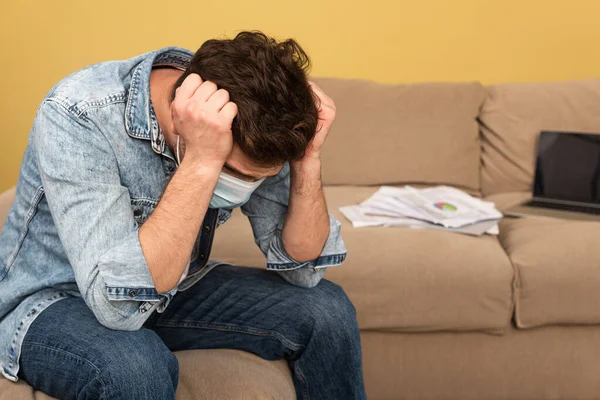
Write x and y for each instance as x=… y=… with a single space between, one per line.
x=177 y=151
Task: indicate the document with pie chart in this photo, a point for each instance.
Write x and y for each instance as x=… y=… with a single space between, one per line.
x=440 y=207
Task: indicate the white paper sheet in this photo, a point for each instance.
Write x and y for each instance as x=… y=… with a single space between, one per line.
x=440 y=207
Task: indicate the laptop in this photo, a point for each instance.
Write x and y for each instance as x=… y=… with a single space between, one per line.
x=567 y=177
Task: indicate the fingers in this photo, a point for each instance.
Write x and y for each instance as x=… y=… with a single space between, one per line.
x=195 y=95
x=188 y=87
x=316 y=89
x=323 y=98
x=229 y=111
x=204 y=92
x=218 y=100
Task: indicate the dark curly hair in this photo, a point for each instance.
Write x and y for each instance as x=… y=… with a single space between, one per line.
x=277 y=115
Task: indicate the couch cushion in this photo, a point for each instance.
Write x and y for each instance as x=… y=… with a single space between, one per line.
x=514 y=114
x=206 y=375
x=385 y=134
x=403 y=279
x=20 y=391
x=231 y=375
x=504 y=201
x=557 y=264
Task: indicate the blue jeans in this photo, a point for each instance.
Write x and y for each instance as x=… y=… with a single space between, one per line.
x=68 y=354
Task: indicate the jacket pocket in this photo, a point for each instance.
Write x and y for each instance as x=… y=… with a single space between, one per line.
x=33 y=205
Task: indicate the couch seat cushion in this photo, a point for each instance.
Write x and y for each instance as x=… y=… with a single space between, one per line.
x=557 y=264
x=206 y=375
x=403 y=279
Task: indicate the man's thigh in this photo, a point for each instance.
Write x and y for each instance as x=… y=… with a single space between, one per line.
x=247 y=309
x=68 y=354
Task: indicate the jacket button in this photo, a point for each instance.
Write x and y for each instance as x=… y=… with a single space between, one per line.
x=132 y=293
x=201 y=256
x=137 y=212
x=32 y=312
x=206 y=228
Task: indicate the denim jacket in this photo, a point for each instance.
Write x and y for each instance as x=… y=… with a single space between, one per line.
x=94 y=169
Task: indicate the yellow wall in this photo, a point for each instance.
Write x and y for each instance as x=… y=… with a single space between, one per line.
x=391 y=41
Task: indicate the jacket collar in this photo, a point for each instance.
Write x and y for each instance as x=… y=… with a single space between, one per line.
x=140 y=119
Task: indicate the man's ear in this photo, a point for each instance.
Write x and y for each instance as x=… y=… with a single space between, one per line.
x=172 y=121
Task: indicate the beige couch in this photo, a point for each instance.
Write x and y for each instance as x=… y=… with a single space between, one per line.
x=442 y=315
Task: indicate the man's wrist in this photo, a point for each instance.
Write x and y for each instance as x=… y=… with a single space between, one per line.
x=305 y=175
x=310 y=164
x=202 y=167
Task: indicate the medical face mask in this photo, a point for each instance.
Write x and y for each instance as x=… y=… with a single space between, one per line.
x=230 y=191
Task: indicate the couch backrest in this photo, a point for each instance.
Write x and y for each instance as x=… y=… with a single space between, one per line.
x=6 y=200
x=514 y=114
x=418 y=133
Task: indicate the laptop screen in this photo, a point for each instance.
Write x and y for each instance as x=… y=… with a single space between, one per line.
x=568 y=167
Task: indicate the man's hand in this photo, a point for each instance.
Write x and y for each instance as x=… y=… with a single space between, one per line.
x=326 y=109
x=202 y=116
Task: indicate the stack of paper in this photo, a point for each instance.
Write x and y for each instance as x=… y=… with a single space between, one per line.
x=439 y=207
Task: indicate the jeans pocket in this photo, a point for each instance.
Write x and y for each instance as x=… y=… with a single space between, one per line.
x=191 y=279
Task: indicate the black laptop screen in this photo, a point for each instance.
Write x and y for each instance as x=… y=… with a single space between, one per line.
x=568 y=167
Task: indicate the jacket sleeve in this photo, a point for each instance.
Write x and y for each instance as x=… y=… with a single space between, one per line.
x=266 y=211
x=93 y=215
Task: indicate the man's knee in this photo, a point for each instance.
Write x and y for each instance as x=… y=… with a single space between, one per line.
x=332 y=308
x=140 y=367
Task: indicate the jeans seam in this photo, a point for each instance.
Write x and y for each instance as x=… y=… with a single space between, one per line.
x=302 y=379
x=233 y=328
x=75 y=356
x=104 y=396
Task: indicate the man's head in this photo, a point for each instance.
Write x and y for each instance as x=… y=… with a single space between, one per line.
x=277 y=115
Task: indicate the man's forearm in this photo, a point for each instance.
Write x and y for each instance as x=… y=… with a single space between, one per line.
x=306 y=226
x=169 y=234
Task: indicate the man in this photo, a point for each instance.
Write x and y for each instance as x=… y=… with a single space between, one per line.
x=130 y=167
